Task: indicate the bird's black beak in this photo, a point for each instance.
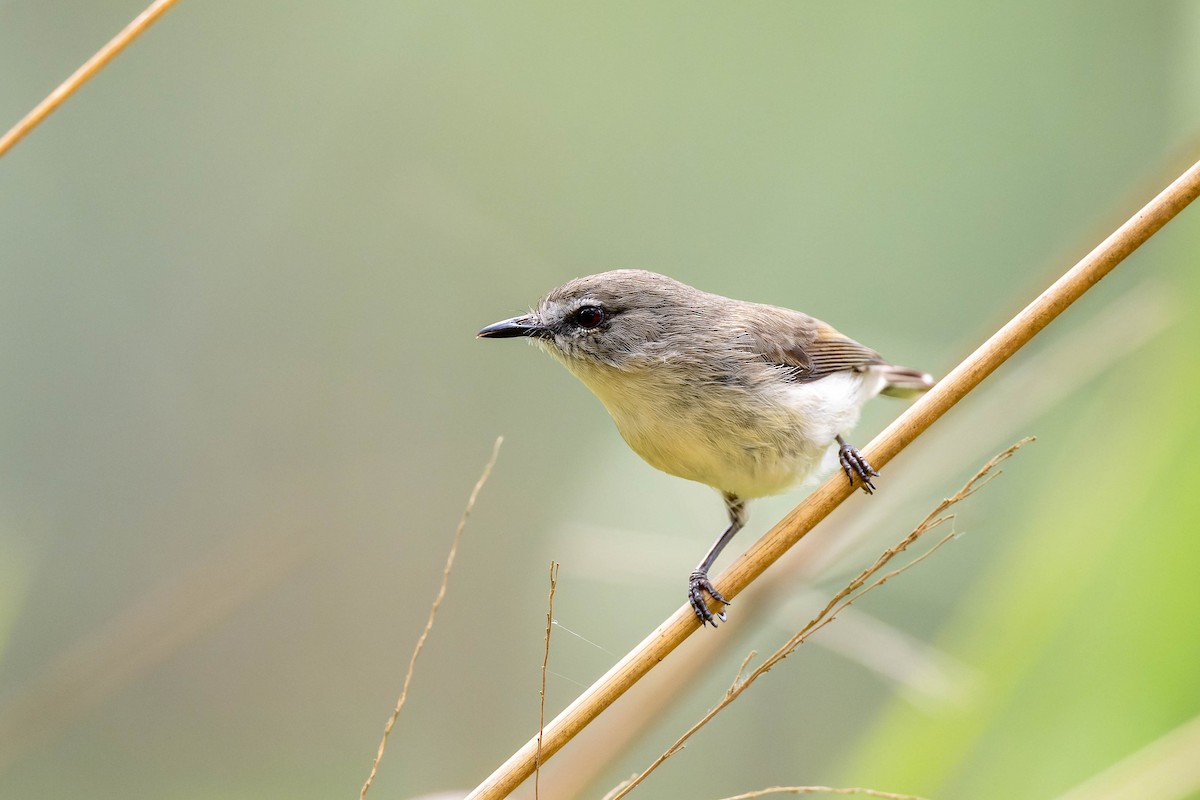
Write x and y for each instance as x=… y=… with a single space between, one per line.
x=527 y=325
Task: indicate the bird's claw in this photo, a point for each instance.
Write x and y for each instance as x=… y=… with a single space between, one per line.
x=855 y=465
x=699 y=586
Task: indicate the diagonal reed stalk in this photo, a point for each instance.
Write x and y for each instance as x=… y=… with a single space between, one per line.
x=85 y=72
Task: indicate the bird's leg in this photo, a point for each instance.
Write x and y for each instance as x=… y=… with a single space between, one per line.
x=853 y=464
x=698 y=583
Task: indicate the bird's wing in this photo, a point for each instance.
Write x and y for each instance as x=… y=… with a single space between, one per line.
x=808 y=348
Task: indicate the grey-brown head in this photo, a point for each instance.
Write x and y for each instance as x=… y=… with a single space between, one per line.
x=621 y=318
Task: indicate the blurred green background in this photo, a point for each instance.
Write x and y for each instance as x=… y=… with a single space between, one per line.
x=242 y=404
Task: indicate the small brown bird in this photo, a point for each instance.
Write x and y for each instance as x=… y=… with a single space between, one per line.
x=749 y=399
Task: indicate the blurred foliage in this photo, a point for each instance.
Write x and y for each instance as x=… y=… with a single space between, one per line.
x=240 y=275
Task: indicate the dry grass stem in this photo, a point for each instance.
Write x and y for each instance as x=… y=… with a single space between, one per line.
x=437 y=602
x=537 y=772
x=860 y=585
x=742 y=669
x=822 y=790
x=972 y=371
x=84 y=73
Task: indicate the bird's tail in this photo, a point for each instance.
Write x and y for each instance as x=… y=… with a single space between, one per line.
x=904 y=382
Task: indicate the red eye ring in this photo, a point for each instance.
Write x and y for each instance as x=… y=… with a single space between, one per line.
x=589 y=316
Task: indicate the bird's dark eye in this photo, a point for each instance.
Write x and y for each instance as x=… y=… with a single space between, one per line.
x=588 y=316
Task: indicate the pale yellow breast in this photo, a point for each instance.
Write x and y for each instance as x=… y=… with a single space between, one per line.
x=748 y=445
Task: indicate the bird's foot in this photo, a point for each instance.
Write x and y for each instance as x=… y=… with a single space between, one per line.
x=699 y=586
x=853 y=464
